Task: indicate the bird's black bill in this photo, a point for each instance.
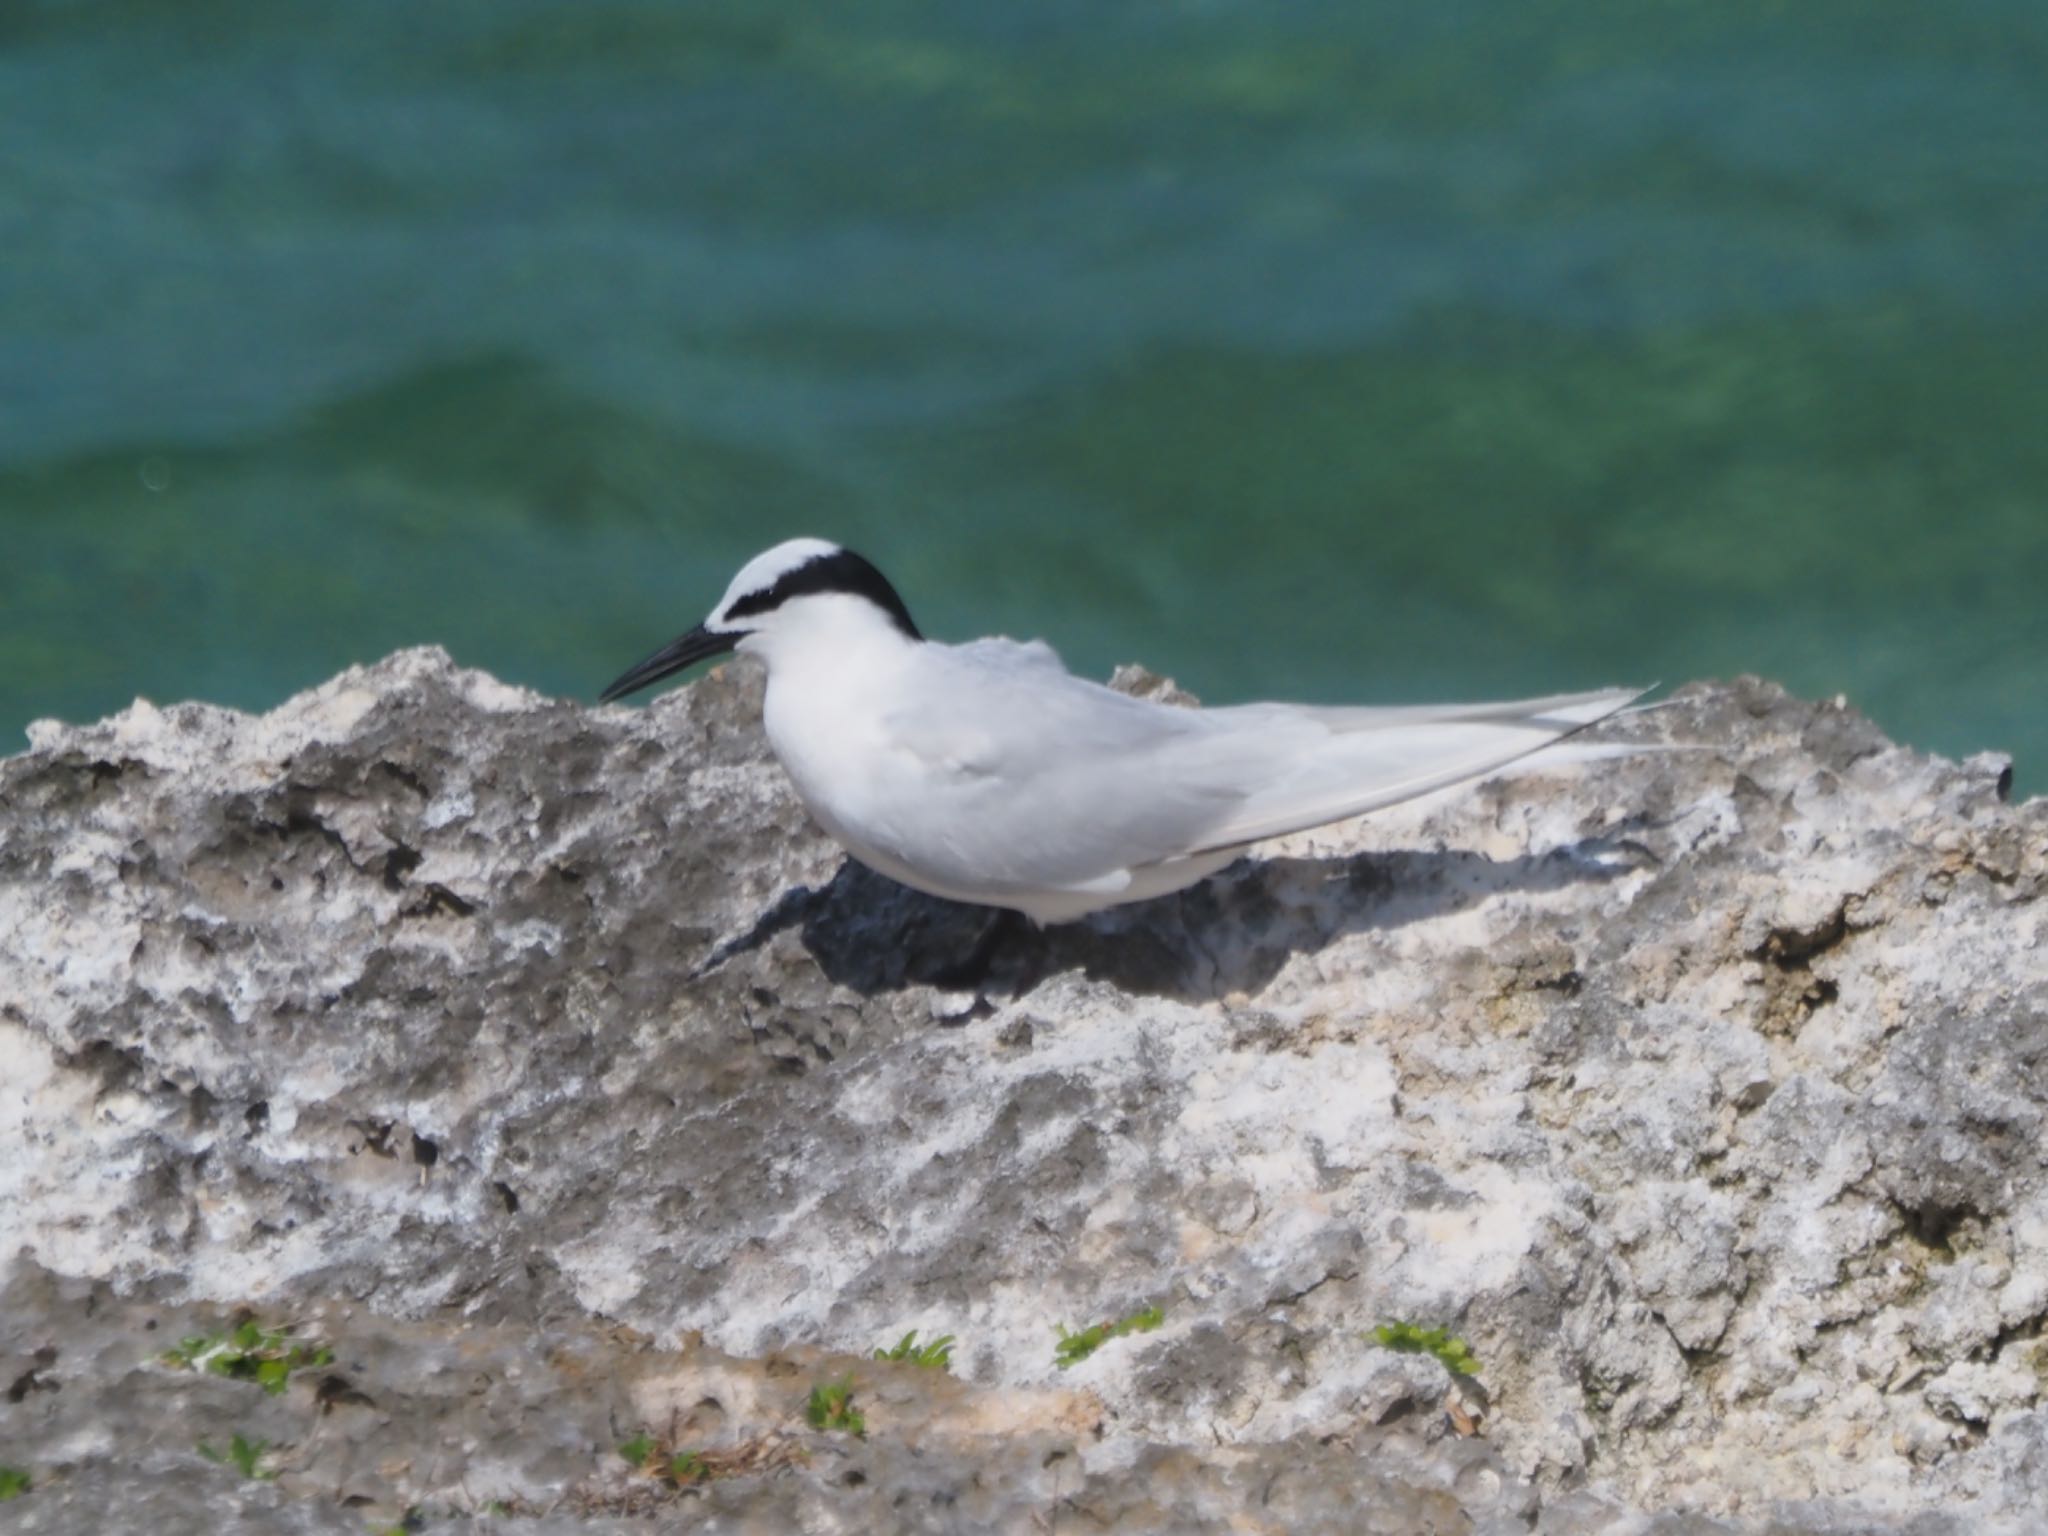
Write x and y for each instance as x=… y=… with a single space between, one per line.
x=685 y=651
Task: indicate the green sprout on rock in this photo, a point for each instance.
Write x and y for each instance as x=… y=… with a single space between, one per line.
x=831 y=1407
x=1073 y=1348
x=934 y=1356
x=1454 y=1354
x=266 y=1356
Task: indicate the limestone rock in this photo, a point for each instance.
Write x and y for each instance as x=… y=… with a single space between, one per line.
x=549 y=1067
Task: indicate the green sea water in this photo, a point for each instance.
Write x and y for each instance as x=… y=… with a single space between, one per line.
x=1349 y=351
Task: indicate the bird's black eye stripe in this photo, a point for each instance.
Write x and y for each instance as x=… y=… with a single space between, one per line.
x=840 y=571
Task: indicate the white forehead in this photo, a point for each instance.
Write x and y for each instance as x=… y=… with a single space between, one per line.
x=771 y=565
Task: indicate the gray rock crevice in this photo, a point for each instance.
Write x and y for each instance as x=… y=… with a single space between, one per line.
x=1701 y=1091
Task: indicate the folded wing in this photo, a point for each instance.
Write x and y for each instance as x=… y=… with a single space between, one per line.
x=1027 y=777
x=1312 y=766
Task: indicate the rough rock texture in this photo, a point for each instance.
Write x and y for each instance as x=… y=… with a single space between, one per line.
x=550 y=1067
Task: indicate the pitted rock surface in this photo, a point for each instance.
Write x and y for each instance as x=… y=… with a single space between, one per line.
x=548 y=1064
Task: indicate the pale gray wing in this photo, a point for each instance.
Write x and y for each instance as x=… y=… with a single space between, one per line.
x=1032 y=778
x=1300 y=766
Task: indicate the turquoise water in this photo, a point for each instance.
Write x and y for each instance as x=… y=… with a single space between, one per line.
x=1334 y=351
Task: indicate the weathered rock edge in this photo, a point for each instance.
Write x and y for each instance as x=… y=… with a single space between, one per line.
x=1701 y=1092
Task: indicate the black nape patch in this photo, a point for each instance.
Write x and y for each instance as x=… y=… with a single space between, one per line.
x=840 y=571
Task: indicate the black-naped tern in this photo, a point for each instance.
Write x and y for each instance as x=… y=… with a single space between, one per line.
x=988 y=773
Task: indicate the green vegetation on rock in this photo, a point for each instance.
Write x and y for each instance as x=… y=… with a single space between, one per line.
x=937 y=1355
x=248 y=1353
x=1077 y=1346
x=1454 y=1354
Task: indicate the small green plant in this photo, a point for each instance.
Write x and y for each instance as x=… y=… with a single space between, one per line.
x=266 y=1356
x=1075 y=1347
x=654 y=1457
x=934 y=1356
x=1454 y=1354
x=658 y=1459
x=243 y=1454
x=831 y=1407
x=14 y=1482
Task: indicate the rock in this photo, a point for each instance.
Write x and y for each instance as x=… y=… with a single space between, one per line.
x=548 y=1067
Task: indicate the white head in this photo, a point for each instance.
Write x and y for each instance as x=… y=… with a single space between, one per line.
x=783 y=595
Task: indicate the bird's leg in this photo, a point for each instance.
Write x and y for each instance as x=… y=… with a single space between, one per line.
x=970 y=973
